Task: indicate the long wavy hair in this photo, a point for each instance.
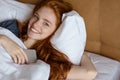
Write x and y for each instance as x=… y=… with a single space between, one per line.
x=59 y=62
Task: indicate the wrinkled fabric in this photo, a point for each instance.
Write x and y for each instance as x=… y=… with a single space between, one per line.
x=11 y=71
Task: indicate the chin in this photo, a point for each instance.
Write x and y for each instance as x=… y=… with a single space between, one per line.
x=34 y=37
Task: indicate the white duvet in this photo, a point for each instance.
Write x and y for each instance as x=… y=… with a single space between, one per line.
x=11 y=71
x=108 y=69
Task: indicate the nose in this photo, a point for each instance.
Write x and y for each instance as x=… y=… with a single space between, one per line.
x=37 y=25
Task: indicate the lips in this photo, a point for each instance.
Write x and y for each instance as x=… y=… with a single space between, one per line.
x=35 y=31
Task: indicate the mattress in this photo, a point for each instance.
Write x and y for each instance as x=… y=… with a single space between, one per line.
x=108 y=69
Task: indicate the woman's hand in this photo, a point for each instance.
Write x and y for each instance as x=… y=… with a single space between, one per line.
x=15 y=51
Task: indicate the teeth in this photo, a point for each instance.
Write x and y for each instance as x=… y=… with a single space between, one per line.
x=34 y=30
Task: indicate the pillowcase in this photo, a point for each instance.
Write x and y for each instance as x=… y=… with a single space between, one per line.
x=12 y=9
x=70 y=38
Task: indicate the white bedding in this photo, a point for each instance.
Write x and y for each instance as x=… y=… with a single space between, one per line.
x=11 y=71
x=108 y=69
x=12 y=9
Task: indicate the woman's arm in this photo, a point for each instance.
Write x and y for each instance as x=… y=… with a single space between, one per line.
x=86 y=71
x=15 y=51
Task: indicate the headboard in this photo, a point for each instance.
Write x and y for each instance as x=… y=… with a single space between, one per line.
x=102 y=24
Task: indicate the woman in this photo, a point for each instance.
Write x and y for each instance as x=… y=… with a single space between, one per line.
x=41 y=27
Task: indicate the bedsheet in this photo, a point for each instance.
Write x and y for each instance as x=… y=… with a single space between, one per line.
x=11 y=71
x=108 y=69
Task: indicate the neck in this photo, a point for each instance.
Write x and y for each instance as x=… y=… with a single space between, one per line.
x=29 y=42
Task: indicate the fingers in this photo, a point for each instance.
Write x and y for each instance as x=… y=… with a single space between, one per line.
x=14 y=59
x=20 y=57
x=25 y=56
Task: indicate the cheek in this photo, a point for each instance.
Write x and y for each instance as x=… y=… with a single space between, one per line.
x=29 y=25
x=50 y=32
x=31 y=21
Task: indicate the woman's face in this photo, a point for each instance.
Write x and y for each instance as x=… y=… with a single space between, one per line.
x=42 y=24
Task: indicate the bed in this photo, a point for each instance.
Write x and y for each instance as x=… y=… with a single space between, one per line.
x=108 y=69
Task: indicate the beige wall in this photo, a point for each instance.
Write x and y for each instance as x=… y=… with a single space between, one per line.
x=102 y=24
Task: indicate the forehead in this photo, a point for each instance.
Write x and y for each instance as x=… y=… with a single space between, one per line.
x=47 y=13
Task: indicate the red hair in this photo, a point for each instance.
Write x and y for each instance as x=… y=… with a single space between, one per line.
x=59 y=62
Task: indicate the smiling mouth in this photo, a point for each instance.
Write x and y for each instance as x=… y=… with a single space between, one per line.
x=35 y=31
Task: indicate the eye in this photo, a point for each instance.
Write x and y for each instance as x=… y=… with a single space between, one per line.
x=36 y=16
x=46 y=24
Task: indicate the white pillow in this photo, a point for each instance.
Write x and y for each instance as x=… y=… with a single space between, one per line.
x=70 y=38
x=11 y=9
